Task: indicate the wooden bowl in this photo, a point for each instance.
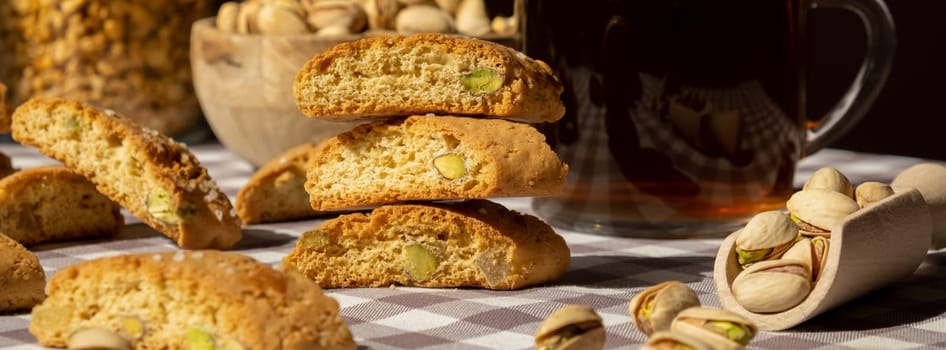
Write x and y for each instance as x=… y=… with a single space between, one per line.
x=868 y=250
x=244 y=85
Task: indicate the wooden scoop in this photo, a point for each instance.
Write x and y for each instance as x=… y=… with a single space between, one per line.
x=870 y=249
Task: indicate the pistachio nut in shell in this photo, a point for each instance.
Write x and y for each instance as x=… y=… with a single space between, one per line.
x=766 y=236
x=654 y=308
x=571 y=327
x=772 y=286
x=830 y=179
x=802 y=251
x=871 y=192
x=817 y=212
x=810 y=251
x=674 y=341
x=718 y=328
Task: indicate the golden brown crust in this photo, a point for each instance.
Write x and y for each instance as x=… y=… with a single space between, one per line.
x=22 y=278
x=53 y=203
x=276 y=191
x=128 y=163
x=421 y=73
x=392 y=161
x=477 y=243
x=228 y=296
x=4 y=110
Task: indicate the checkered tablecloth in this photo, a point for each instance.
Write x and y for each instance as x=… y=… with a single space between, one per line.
x=605 y=273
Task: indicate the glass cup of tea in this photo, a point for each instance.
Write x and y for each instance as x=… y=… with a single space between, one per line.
x=685 y=118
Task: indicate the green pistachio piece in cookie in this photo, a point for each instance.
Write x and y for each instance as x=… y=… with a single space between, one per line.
x=198 y=339
x=482 y=81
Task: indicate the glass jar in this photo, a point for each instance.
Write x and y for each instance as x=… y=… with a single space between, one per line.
x=131 y=56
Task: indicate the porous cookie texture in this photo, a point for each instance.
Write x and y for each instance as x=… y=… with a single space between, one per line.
x=188 y=299
x=427 y=73
x=158 y=180
x=54 y=203
x=432 y=158
x=276 y=191
x=475 y=243
x=21 y=277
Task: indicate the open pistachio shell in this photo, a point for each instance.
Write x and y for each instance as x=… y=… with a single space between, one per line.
x=772 y=286
x=766 y=236
x=654 y=308
x=718 y=328
x=820 y=210
x=571 y=327
x=674 y=341
x=830 y=179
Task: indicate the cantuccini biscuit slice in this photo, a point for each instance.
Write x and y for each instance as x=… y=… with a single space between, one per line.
x=276 y=191
x=190 y=299
x=156 y=179
x=53 y=203
x=4 y=110
x=432 y=158
x=22 y=278
x=427 y=73
x=474 y=243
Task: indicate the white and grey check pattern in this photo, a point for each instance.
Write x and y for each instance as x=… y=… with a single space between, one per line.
x=605 y=273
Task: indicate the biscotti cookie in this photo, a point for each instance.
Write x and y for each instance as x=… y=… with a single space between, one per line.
x=427 y=73
x=475 y=243
x=53 y=203
x=4 y=110
x=22 y=278
x=276 y=191
x=182 y=300
x=432 y=158
x=156 y=179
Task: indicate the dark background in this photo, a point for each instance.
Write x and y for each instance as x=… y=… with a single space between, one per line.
x=909 y=116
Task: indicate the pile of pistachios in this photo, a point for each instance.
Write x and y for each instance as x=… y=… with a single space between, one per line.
x=781 y=255
x=671 y=315
x=346 y=17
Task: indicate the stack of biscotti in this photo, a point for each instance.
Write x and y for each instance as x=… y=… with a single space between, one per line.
x=448 y=128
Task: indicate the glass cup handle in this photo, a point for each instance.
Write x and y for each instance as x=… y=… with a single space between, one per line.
x=881 y=41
